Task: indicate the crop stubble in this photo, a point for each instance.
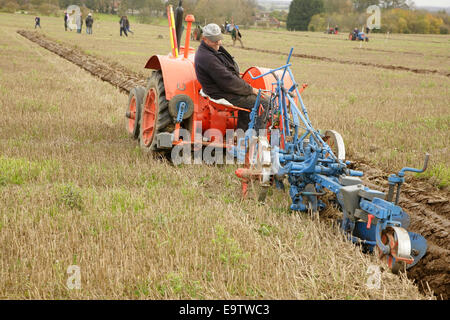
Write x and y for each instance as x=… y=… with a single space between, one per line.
x=429 y=207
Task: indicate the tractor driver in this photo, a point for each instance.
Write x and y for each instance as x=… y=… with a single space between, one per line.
x=218 y=74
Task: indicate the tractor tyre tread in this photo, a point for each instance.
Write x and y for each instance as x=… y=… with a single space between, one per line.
x=163 y=119
x=138 y=93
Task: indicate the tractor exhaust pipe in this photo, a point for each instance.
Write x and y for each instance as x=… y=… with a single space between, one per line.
x=179 y=22
x=179 y=28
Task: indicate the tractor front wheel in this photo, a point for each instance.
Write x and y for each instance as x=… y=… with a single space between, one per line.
x=155 y=117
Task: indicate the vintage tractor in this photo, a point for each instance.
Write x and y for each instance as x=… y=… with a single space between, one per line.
x=284 y=146
x=358 y=35
x=173 y=101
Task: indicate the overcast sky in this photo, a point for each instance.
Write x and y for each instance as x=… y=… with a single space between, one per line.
x=432 y=3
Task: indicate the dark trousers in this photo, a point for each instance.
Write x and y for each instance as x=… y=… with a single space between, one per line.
x=124 y=30
x=246 y=102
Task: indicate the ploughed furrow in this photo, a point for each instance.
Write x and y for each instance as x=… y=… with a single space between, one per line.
x=403 y=52
x=362 y=63
x=345 y=38
x=429 y=207
x=113 y=73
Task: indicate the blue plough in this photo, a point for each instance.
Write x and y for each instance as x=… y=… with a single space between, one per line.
x=284 y=144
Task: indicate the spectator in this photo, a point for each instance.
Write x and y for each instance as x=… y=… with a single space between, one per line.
x=37 y=21
x=128 y=25
x=89 y=23
x=227 y=27
x=197 y=34
x=66 y=17
x=123 y=26
x=235 y=34
x=79 y=21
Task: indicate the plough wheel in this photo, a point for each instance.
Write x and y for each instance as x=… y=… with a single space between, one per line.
x=133 y=113
x=336 y=143
x=155 y=117
x=400 y=248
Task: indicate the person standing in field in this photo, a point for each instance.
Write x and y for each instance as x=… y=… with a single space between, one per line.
x=66 y=18
x=79 y=22
x=236 y=35
x=37 y=22
x=227 y=27
x=89 y=23
x=127 y=23
x=123 y=26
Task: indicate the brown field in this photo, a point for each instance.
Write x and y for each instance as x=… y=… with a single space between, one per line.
x=76 y=190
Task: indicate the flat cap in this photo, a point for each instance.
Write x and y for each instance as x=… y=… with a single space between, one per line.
x=212 y=32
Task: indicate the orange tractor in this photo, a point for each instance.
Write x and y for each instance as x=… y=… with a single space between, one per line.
x=173 y=99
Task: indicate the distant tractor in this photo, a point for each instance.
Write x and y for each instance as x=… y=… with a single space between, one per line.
x=334 y=30
x=358 y=36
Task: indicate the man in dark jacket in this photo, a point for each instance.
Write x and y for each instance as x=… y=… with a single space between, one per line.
x=89 y=23
x=66 y=17
x=123 y=25
x=219 y=76
x=37 y=21
x=127 y=25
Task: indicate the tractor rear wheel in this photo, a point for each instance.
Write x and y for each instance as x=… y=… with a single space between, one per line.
x=133 y=113
x=155 y=117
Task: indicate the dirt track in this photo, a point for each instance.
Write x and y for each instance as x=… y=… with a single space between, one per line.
x=107 y=71
x=428 y=206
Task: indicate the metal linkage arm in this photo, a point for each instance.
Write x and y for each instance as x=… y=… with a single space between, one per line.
x=402 y=172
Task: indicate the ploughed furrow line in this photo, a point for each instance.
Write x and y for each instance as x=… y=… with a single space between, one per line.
x=340 y=38
x=403 y=52
x=429 y=207
x=351 y=62
x=113 y=73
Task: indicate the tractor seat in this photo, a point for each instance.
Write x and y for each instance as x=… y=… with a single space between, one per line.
x=221 y=104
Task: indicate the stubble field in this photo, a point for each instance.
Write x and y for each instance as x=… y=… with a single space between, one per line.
x=76 y=190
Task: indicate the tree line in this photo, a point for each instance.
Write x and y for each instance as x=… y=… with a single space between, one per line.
x=397 y=16
x=240 y=11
